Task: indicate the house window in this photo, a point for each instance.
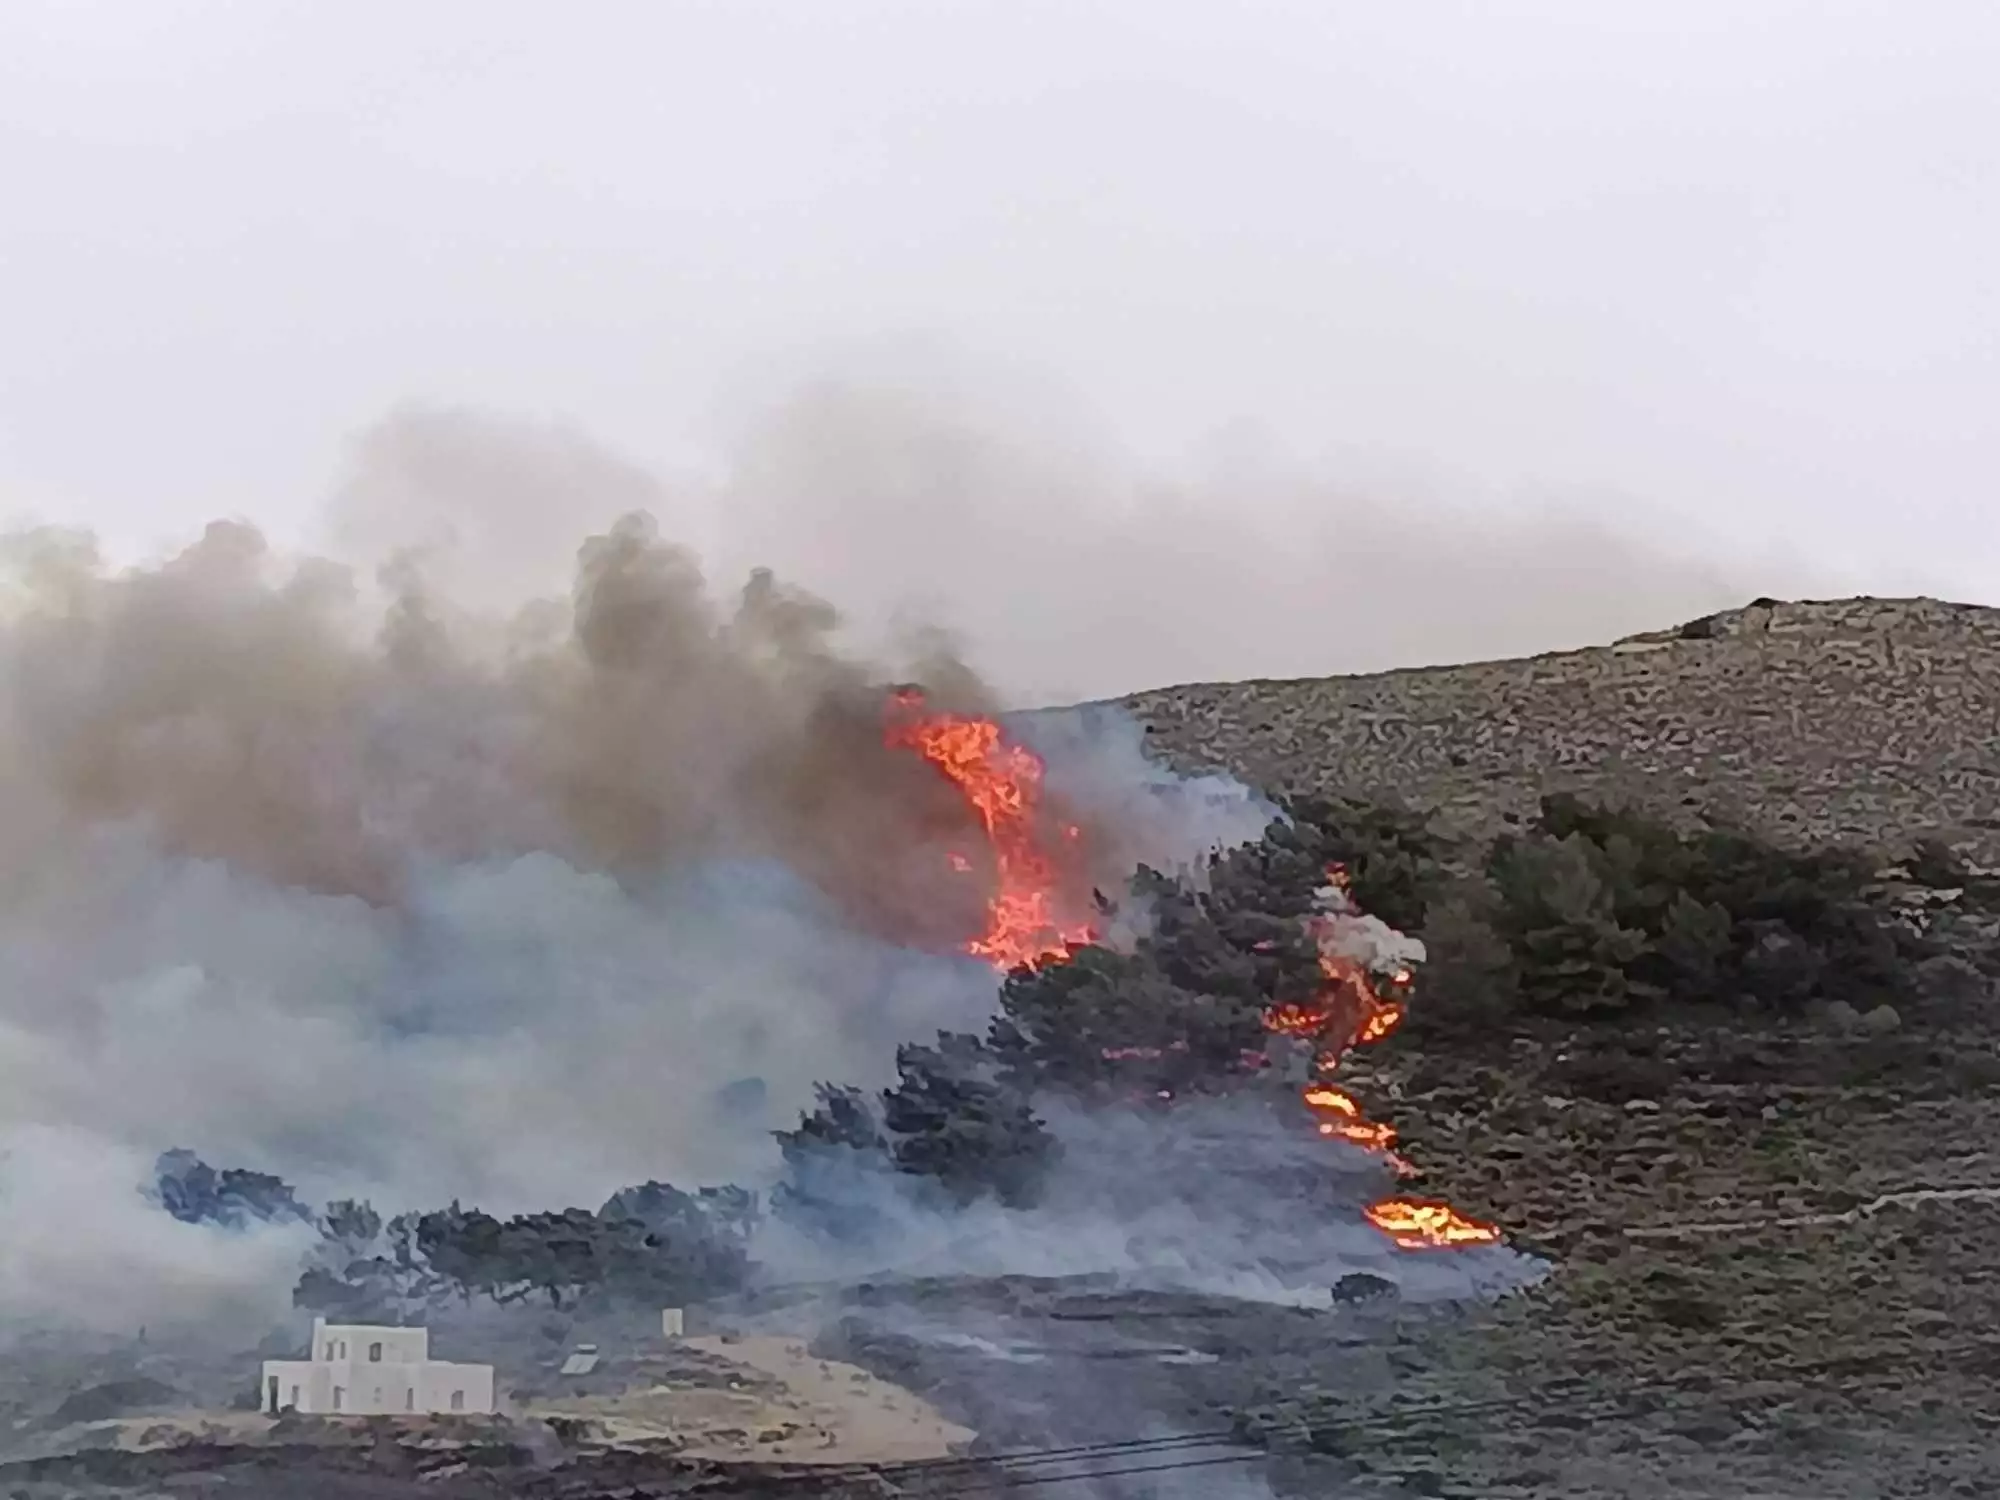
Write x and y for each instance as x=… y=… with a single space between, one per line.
x=328 y=1356
x=294 y=1403
x=374 y=1354
x=458 y=1400
x=339 y=1397
x=378 y=1398
x=410 y=1399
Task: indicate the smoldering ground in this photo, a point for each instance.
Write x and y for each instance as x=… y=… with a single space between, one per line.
x=1236 y=1201
x=396 y=893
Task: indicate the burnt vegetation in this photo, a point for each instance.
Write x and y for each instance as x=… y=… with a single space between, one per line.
x=1586 y=912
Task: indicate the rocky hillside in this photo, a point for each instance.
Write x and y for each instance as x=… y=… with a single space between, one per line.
x=1869 y=719
x=1777 y=1239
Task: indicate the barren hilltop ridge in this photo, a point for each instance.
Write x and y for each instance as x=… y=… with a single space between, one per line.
x=1873 y=720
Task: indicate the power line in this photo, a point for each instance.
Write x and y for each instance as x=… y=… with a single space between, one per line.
x=1076 y=1453
x=1007 y=1481
x=1003 y=1470
x=1611 y=1404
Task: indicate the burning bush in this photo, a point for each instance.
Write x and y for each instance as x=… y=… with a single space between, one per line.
x=1183 y=1008
x=1589 y=910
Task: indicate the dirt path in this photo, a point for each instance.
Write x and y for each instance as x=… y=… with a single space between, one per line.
x=872 y=1420
x=788 y=1407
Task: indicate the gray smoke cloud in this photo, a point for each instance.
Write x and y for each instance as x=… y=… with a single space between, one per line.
x=1233 y=1202
x=399 y=888
x=985 y=515
x=915 y=481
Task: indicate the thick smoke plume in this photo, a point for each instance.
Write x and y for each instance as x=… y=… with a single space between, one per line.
x=393 y=891
x=915 y=477
x=915 y=485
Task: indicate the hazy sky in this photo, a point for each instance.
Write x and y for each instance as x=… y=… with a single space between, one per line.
x=1286 y=322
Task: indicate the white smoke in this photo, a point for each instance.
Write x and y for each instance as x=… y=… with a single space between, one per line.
x=1232 y=1201
x=82 y=1243
x=1345 y=931
x=1096 y=758
x=365 y=881
x=365 y=885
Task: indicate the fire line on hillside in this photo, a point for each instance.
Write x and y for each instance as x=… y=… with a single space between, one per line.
x=1352 y=1012
x=1030 y=923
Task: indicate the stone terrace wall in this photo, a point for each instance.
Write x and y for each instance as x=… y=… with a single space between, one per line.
x=1866 y=719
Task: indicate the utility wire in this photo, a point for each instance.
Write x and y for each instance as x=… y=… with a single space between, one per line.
x=1609 y=1405
x=1559 y=1388
x=1003 y=1469
x=1003 y=1480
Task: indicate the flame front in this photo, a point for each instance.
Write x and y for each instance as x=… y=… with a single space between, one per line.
x=1378 y=1023
x=1424 y=1224
x=1027 y=925
x=1350 y=1011
x=1340 y=1117
x=1001 y=782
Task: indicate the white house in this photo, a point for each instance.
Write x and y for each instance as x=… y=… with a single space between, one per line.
x=355 y=1369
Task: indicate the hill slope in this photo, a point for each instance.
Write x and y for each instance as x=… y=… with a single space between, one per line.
x=1869 y=719
x=1750 y=1297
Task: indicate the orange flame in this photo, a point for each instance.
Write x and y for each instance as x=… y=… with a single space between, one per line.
x=1292 y=1019
x=1351 y=1011
x=1422 y=1224
x=1379 y=1022
x=1001 y=782
x=1341 y=1117
x=1369 y=1135
x=1324 y=1096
